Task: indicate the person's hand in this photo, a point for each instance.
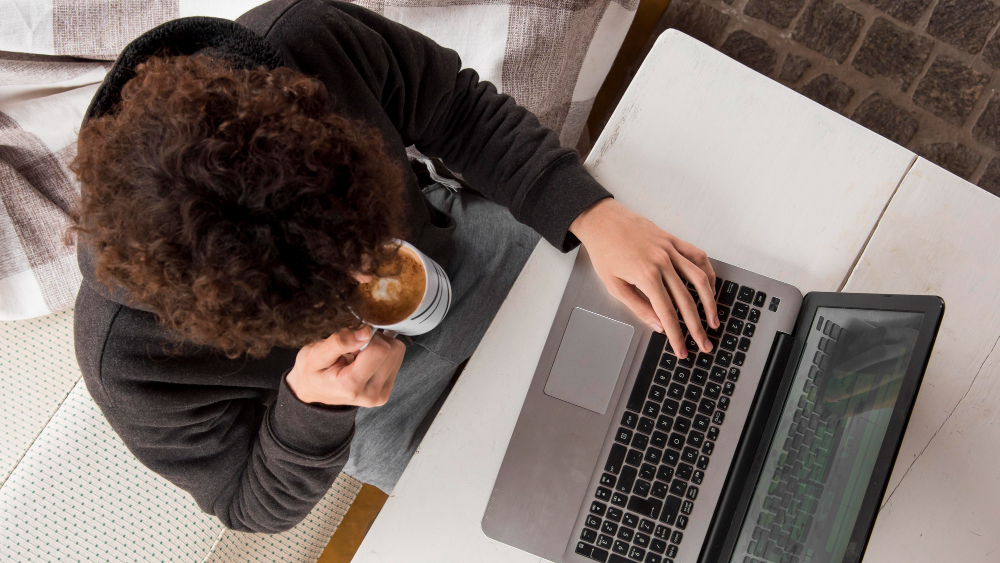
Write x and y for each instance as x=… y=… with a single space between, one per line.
x=334 y=372
x=642 y=266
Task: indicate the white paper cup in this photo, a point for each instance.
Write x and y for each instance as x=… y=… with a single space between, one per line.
x=433 y=306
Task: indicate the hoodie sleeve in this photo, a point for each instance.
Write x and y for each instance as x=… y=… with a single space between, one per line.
x=444 y=110
x=187 y=415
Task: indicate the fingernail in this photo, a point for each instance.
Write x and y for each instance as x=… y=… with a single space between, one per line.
x=361 y=334
x=715 y=319
x=657 y=327
x=708 y=345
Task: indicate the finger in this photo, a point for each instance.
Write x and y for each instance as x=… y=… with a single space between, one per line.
x=327 y=351
x=687 y=307
x=652 y=287
x=390 y=368
x=705 y=288
x=367 y=362
x=697 y=257
x=627 y=294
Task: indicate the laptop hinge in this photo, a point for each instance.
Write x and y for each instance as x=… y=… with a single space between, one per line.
x=745 y=469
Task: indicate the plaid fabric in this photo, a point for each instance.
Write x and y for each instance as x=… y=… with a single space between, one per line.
x=550 y=55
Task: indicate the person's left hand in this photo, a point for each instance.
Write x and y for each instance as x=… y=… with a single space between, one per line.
x=642 y=266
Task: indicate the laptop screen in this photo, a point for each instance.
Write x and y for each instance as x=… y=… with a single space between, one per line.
x=827 y=442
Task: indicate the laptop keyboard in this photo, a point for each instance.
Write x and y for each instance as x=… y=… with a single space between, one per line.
x=794 y=493
x=666 y=437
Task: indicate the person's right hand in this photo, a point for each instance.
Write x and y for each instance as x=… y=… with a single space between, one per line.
x=324 y=373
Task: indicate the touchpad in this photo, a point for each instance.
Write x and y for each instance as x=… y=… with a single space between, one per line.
x=589 y=359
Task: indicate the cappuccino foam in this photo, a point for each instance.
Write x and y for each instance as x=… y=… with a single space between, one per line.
x=395 y=293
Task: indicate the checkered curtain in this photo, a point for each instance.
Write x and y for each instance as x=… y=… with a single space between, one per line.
x=550 y=55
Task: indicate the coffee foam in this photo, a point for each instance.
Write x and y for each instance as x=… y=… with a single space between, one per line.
x=396 y=292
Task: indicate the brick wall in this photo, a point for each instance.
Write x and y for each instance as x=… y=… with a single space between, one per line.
x=923 y=73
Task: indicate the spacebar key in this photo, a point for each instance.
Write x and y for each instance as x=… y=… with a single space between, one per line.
x=646 y=506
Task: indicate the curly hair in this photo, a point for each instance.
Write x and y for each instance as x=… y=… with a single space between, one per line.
x=235 y=205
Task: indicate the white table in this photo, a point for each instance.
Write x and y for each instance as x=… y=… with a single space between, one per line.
x=761 y=177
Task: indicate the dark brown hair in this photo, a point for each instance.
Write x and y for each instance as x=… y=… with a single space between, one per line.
x=234 y=204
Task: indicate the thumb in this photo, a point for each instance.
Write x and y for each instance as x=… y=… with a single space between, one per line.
x=627 y=294
x=344 y=342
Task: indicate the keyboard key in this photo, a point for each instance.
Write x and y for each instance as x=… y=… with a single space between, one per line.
x=744 y=346
x=640 y=441
x=702 y=462
x=678 y=487
x=699 y=377
x=671 y=550
x=729 y=342
x=592 y=522
x=773 y=307
x=646 y=425
x=620 y=547
x=630 y=520
x=604 y=541
x=648 y=507
x=704 y=360
x=598 y=508
x=647 y=472
x=682 y=522
x=608 y=480
x=657 y=393
x=754 y=316
x=676 y=441
x=591 y=552
x=676 y=537
x=653 y=558
x=746 y=294
x=759 y=299
x=668 y=361
x=718 y=418
x=692 y=493
x=658 y=545
x=741 y=310
x=665 y=473
x=723 y=358
x=727 y=295
x=723 y=314
x=662 y=377
x=671 y=457
x=729 y=388
x=615 y=514
x=615 y=458
x=682 y=425
x=641 y=487
x=626 y=479
x=684 y=471
x=686 y=507
x=723 y=403
x=739 y=358
x=625 y=534
x=698 y=477
x=589 y=536
x=636 y=553
x=653 y=455
x=676 y=390
x=633 y=457
x=646 y=526
x=706 y=407
x=629 y=419
x=659 y=438
x=688 y=409
x=712 y=390
x=618 y=499
x=749 y=329
x=713 y=432
x=734 y=326
x=670 y=407
x=734 y=374
x=701 y=423
x=659 y=489
x=641 y=540
x=689 y=455
x=670 y=507
x=651 y=409
x=693 y=393
x=695 y=439
x=687 y=362
x=624 y=436
x=718 y=374
x=603 y=494
x=662 y=532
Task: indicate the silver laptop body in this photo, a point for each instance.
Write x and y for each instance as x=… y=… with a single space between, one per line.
x=567 y=422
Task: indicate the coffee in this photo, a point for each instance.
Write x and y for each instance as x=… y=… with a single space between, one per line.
x=396 y=291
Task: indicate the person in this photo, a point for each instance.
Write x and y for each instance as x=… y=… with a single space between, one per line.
x=239 y=179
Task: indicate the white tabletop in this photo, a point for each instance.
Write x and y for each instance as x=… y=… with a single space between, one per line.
x=763 y=178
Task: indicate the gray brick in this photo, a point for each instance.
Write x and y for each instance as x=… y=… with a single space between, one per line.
x=956 y=158
x=827 y=90
x=885 y=118
x=964 y=23
x=893 y=52
x=987 y=127
x=990 y=180
x=750 y=50
x=698 y=20
x=949 y=89
x=778 y=13
x=906 y=11
x=793 y=67
x=829 y=28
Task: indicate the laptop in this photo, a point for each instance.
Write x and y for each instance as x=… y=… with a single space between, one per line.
x=775 y=447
